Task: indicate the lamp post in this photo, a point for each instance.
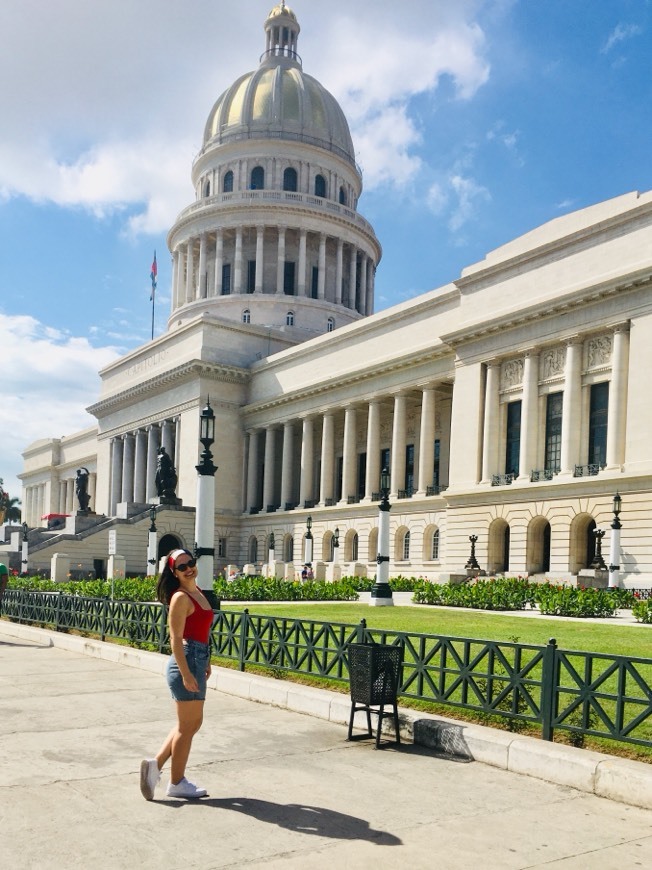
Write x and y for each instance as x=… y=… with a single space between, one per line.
x=205 y=513
x=381 y=592
x=24 y=558
x=614 y=550
x=336 y=546
x=472 y=563
x=271 y=554
x=151 y=543
x=309 y=543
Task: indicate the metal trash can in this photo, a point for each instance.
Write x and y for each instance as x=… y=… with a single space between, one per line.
x=374 y=678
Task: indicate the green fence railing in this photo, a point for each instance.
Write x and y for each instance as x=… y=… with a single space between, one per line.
x=583 y=693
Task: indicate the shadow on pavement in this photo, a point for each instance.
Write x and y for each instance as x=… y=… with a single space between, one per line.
x=304 y=819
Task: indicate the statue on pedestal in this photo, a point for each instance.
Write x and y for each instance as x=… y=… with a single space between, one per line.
x=166 y=478
x=81 y=489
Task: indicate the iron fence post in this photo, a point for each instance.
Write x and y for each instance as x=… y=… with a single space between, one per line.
x=244 y=630
x=548 y=689
x=161 y=627
x=105 y=605
x=362 y=631
x=57 y=611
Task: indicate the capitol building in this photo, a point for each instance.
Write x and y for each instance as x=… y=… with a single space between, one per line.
x=510 y=404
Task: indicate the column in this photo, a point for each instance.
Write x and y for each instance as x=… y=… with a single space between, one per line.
x=349 y=487
x=399 y=429
x=219 y=262
x=339 y=272
x=92 y=490
x=353 y=272
x=175 y=279
x=153 y=441
x=270 y=469
x=71 y=507
x=167 y=438
x=491 y=422
x=371 y=274
x=372 y=481
x=426 y=441
x=571 y=408
x=260 y=240
x=128 y=469
x=252 y=472
x=116 y=472
x=140 y=475
x=237 y=262
x=280 y=260
x=327 y=458
x=61 y=502
x=617 y=413
x=203 y=277
x=321 y=280
x=181 y=278
x=363 y=284
x=307 y=462
x=527 y=459
x=288 y=466
x=301 y=286
x=190 y=272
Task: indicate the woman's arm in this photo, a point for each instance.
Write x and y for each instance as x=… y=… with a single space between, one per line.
x=180 y=609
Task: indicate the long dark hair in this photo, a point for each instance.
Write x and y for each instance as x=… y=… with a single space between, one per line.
x=167 y=582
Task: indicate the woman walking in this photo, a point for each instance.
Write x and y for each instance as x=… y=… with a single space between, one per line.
x=190 y=618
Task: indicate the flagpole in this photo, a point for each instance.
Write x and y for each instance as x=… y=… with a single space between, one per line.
x=153 y=273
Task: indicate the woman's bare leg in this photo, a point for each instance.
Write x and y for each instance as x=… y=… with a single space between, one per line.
x=177 y=745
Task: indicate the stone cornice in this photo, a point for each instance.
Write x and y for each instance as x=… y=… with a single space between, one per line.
x=184 y=372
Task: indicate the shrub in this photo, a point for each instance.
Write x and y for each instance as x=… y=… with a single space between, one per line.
x=642 y=611
x=508 y=593
x=575 y=601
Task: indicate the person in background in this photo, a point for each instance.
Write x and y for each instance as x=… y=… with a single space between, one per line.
x=190 y=618
x=4 y=577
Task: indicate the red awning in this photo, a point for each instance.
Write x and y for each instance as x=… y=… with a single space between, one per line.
x=54 y=516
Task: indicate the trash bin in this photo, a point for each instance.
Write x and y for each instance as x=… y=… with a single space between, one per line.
x=374 y=678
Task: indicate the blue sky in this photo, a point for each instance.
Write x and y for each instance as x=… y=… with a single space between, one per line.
x=474 y=122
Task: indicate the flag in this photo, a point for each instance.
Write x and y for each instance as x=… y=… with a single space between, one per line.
x=153 y=275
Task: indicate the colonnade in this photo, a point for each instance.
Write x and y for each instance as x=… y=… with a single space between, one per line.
x=134 y=460
x=327 y=467
x=57 y=497
x=345 y=272
x=566 y=369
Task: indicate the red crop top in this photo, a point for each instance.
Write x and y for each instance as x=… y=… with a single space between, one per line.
x=198 y=623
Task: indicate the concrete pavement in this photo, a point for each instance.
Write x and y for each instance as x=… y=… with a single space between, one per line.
x=286 y=789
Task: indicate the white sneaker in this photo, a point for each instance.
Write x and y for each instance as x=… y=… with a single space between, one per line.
x=185 y=789
x=150 y=777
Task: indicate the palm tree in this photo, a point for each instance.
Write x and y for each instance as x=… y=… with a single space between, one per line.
x=9 y=506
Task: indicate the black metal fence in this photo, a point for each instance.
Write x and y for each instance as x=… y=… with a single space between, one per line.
x=583 y=693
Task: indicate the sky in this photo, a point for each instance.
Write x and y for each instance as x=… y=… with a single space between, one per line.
x=474 y=121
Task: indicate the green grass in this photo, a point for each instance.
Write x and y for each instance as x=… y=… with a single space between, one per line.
x=570 y=634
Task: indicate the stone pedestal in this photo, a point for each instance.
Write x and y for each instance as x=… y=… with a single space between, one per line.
x=116 y=567
x=319 y=571
x=333 y=572
x=289 y=572
x=60 y=567
x=596 y=578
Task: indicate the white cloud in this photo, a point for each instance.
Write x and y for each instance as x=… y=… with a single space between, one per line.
x=458 y=197
x=46 y=380
x=620 y=33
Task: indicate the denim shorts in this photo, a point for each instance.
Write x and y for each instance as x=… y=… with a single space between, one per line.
x=198 y=657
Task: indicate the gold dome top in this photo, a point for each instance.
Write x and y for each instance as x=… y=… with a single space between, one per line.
x=282 y=9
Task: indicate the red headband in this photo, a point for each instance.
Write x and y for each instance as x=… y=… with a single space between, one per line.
x=174 y=555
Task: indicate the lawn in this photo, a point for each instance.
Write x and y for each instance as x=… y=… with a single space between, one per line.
x=634 y=641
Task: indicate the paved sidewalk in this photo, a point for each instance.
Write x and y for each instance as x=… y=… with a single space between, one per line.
x=286 y=790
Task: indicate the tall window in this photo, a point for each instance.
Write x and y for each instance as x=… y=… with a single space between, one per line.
x=342 y=196
x=257 y=178
x=227 y=183
x=553 y=431
x=435 y=475
x=290 y=179
x=320 y=186
x=409 y=467
x=385 y=459
x=406 y=546
x=598 y=423
x=513 y=444
x=226 y=279
x=434 y=550
x=221 y=547
x=289 y=318
x=354 y=548
x=314 y=287
x=330 y=324
x=253 y=549
x=251 y=276
x=207 y=188
x=246 y=316
x=288 y=278
x=362 y=473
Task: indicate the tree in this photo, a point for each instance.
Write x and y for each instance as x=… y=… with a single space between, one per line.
x=9 y=505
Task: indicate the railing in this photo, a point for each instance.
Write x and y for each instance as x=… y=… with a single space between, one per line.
x=502 y=479
x=538 y=474
x=589 y=470
x=584 y=693
x=405 y=493
x=435 y=490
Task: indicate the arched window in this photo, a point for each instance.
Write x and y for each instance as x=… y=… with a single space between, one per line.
x=246 y=316
x=342 y=196
x=320 y=186
x=227 y=182
x=434 y=548
x=289 y=318
x=207 y=188
x=330 y=324
x=290 y=179
x=406 y=546
x=288 y=549
x=253 y=549
x=257 y=178
x=354 y=548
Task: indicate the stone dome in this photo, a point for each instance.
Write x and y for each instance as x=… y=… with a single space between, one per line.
x=279 y=100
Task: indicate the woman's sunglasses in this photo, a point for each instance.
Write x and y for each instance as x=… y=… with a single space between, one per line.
x=186 y=566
